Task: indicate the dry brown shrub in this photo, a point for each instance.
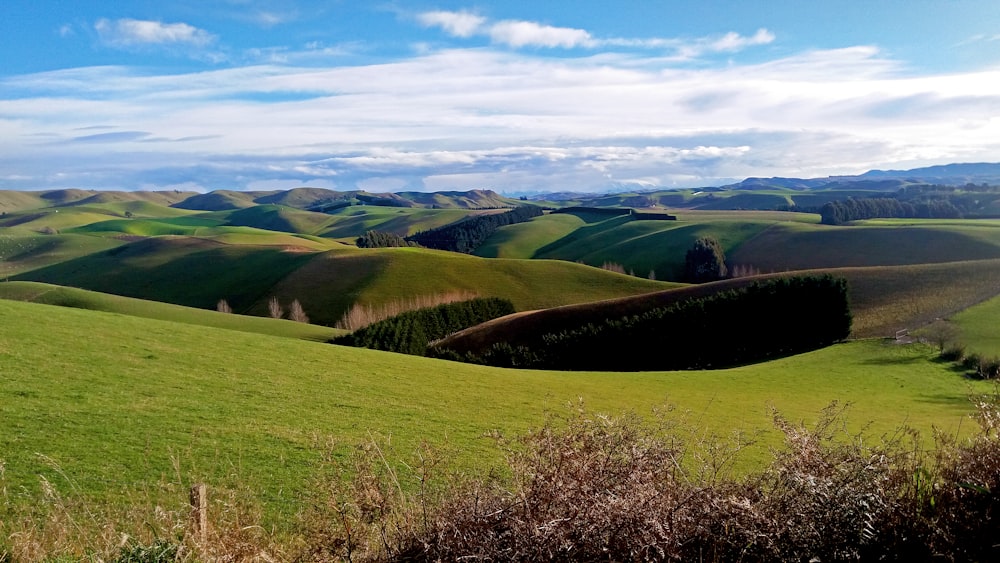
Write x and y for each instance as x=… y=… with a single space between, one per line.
x=360 y=315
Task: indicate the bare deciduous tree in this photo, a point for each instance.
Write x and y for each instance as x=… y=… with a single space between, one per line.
x=941 y=333
x=274 y=309
x=296 y=313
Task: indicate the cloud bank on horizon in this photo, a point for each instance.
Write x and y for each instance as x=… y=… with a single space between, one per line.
x=268 y=94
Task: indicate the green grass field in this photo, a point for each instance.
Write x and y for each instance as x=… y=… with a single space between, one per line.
x=332 y=282
x=352 y=222
x=769 y=241
x=980 y=328
x=187 y=271
x=119 y=404
x=639 y=246
x=91 y=300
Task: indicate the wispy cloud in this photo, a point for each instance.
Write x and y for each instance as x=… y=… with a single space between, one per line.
x=132 y=33
x=520 y=33
x=457 y=24
x=531 y=34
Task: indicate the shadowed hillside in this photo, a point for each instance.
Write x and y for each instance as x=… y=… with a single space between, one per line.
x=334 y=281
x=186 y=271
x=883 y=300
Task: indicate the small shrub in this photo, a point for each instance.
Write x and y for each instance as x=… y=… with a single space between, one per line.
x=160 y=551
x=988 y=368
x=953 y=353
x=971 y=362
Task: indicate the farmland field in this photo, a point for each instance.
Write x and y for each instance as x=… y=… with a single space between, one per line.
x=141 y=389
x=116 y=401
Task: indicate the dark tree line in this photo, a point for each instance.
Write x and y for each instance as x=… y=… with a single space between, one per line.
x=410 y=332
x=766 y=320
x=840 y=212
x=469 y=234
x=381 y=239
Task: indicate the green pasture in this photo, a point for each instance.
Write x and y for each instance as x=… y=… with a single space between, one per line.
x=524 y=240
x=50 y=219
x=792 y=246
x=280 y=218
x=329 y=284
x=109 y=407
x=22 y=250
x=186 y=271
x=980 y=328
x=91 y=300
x=639 y=246
x=354 y=221
x=11 y=200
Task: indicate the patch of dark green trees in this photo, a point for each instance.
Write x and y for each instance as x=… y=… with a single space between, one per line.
x=766 y=320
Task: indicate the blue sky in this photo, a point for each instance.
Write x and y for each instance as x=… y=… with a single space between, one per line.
x=512 y=96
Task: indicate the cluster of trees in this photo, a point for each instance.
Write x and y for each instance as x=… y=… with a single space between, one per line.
x=705 y=261
x=381 y=239
x=411 y=332
x=803 y=313
x=469 y=234
x=840 y=212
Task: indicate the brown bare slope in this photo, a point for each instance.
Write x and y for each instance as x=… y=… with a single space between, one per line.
x=883 y=299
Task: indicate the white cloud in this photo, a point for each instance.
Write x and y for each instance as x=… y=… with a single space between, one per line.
x=131 y=33
x=491 y=117
x=519 y=33
x=530 y=34
x=458 y=24
x=732 y=41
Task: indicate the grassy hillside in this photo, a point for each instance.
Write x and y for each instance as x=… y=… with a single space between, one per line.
x=139 y=404
x=186 y=271
x=278 y=218
x=246 y=265
x=91 y=300
x=797 y=246
x=11 y=200
x=352 y=222
x=978 y=328
x=639 y=246
x=22 y=250
x=328 y=285
x=883 y=300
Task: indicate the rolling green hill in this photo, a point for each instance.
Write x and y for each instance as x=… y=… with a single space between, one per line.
x=883 y=300
x=354 y=221
x=187 y=271
x=767 y=241
x=48 y=294
x=136 y=401
x=23 y=250
x=329 y=284
x=278 y=218
x=798 y=247
x=640 y=246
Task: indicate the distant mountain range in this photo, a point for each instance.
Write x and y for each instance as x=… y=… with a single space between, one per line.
x=946 y=174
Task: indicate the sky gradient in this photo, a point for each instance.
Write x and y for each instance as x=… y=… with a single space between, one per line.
x=512 y=96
